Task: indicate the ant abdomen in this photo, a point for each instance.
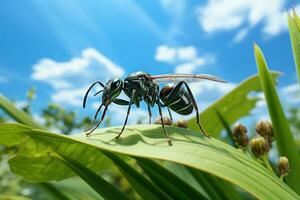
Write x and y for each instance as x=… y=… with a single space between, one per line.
x=177 y=99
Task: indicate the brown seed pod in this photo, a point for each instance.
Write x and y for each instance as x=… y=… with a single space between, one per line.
x=264 y=129
x=258 y=146
x=167 y=121
x=182 y=123
x=239 y=134
x=283 y=166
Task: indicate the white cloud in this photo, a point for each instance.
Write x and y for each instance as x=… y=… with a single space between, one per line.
x=289 y=97
x=21 y=104
x=165 y=54
x=185 y=57
x=291 y=93
x=224 y=15
x=71 y=97
x=240 y=35
x=90 y=66
x=187 y=53
x=190 y=67
x=211 y=89
x=70 y=79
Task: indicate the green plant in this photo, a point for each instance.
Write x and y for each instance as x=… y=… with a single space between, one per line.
x=294 y=28
x=195 y=167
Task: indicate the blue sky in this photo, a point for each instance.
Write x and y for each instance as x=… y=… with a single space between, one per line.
x=60 y=47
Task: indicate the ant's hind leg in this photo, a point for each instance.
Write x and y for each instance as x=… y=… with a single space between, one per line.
x=196 y=108
x=162 y=122
x=102 y=117
x=149 y=114
x=170 y=114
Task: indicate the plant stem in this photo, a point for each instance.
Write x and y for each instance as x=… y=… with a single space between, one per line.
x=281 y=177
x=266 y=162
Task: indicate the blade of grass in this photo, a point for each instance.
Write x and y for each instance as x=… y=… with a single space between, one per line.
x=17 y=114
x=101 y=186
x=284 y=138
x=145 y=188
x=53 y=191
x=227 y=128
x=169 y=182
x=294 y=29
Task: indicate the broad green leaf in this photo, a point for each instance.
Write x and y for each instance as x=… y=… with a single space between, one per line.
x=215 y=187
x=294 y=29
x=169 y=182
x=232 y=106
x=184 y=174
x=35 y=151
x=13 y=197
x=145 y=188
x=101 y=186
x=284 y=138
x=146 y=141
x=17 y=114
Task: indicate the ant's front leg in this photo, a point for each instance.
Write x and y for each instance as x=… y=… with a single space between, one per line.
x=102 y=118
x=128 y=112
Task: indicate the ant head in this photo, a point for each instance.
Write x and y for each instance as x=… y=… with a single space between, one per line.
x=112 y=90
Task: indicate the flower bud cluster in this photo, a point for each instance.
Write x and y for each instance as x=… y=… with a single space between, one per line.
x=265 y=130
x=239 y=134
x=259 y=146
x=182 y=124
x=167 y=121
x=283 y=166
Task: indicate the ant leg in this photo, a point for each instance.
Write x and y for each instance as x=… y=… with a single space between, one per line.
x=87 y=92
x=98 y=92
x=128 y=112
x=95 y=117
x=102 y=117
x=170 y=114
x=196 y=107
x=162 y=121
x=150 y=114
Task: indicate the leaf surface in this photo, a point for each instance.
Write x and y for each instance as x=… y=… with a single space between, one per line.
x=284 y=138
x=147 y=141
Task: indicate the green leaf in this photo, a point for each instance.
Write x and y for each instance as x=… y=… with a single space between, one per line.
x=294 y=29
x=146 y=141
x=283 y=135
x=53 y=191
x=12 y=197
x=34 y=150
x=145 y=188
x=74 y=188
x=17 y=114
x=101 y=186
x=215 y=187
x=227 y=128
x=232 y=106
x=184 y=174
x=169 y=182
